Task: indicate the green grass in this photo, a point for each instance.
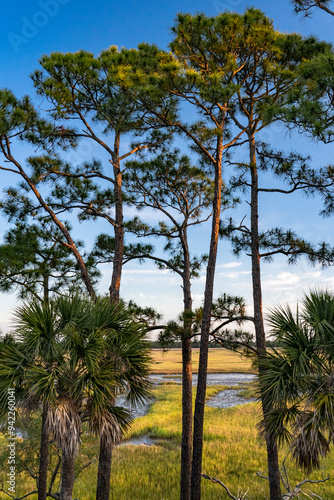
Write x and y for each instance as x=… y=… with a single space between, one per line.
x=233 y=452
x=220 y=361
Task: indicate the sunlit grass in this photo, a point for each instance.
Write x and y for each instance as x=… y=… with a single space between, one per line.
x=220 y=361
x=233 y=452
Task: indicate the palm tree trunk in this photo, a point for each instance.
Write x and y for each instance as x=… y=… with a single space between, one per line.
x=43 y=457
x=205 y=332
x=67 y=476
x=272 y=450
x=104 y=470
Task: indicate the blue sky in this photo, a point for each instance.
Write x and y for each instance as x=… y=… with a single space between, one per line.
x=31 y=29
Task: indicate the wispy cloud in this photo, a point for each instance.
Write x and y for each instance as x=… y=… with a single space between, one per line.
x=282 y=280
x=229 y=265
x=234 y=275
x=146 y=271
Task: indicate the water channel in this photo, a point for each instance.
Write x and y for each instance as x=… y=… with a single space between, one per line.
x=223 y=399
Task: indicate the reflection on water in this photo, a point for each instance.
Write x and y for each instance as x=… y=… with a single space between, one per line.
x=137 y=411
x=139 y=441
x=227 y=399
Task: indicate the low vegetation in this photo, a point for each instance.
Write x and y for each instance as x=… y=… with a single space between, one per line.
x=233 y=452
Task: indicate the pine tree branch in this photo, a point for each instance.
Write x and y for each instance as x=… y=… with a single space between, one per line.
x=92 y=175
x=156 y=327
x=156 y=259
x=231 y=320
x=306 y=5
x=234 y=342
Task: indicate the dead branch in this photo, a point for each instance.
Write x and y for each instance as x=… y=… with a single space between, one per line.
x=35 y=492
x=229 y=494
x=296 y=491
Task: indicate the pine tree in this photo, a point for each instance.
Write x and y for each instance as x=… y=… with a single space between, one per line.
x=103 y=94
x=20 y=121
x=223 y=67
x=182 y=195
x=34 y=263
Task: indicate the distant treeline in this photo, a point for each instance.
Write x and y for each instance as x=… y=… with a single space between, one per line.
x=214 y=345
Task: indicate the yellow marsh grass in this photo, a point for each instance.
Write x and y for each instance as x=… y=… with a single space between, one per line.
x=220 y=361
x=233 y=452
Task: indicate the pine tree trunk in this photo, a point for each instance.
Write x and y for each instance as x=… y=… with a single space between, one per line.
x=67 y=476
x=205 y=332
x=104 y=470
x=272 y=450
x=118 y=228
x=187 y=416
x=187 y=407
x=46 y=286
x=43 y=457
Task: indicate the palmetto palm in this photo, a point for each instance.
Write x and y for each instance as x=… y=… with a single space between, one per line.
x=34 y=348
x=298 y=380
x=120 y=364
x=93 y=351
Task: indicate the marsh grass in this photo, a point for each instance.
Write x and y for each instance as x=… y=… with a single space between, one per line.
x=220 y=361
x=233 y=452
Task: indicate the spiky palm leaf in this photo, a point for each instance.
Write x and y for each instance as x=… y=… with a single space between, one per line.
x=298 y=378
x=76 y=356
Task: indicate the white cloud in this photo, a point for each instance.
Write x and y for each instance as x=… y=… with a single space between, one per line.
x=282 y=280
x=230 y=264
x=234 y=275
x=329 y=280
x=312 y=275
x=146 y=271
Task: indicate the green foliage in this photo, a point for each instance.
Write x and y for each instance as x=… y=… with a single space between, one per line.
x=182 y=194
x=297 y=381
x=104 y=250
x=76 y=356
x=19 y=119
x=34 y=262
x=297 y=175
x=28 y=451
x=233 y=453
x=230 y=56
x=104 y=89
x=226 y=309
x=145 y=315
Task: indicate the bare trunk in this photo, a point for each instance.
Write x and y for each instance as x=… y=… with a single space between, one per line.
x=43 y=457
x=104 y=470
x=119 y=241
x=187 y=416
x=105 y=456
x=46 y=287
x=272 y=450
x=118 y=228
x=187 y=410
x=205 y=332
x=67 y=476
